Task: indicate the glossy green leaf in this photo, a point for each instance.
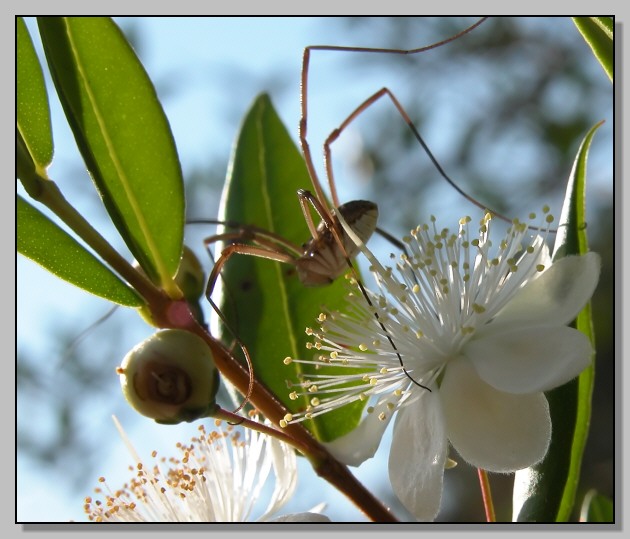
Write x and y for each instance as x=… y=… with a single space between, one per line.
x=598 y=32
x=267 y=306
x=597 y=508
x=33 y=113
x=549 y=488
x=123 y=135
x=41 y=240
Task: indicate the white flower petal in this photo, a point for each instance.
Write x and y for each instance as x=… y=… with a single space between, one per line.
x=530 y=359
x=418 y=455
x=496 y=431
x=361 y=443
x=557 y=295
x=285 y=467
x=525 y=482
x=301 y=517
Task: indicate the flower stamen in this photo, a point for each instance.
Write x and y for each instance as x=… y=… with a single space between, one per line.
x=447 y=286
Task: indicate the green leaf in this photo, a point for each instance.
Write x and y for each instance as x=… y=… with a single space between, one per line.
x=547 y=490
x=41 y=240
x=33 y=113
x=597 y=508
x=123 y=135
x=598 y=32
x=266 y=305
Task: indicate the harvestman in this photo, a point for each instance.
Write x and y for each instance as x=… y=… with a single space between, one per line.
x=325 y=256
x=328 y=253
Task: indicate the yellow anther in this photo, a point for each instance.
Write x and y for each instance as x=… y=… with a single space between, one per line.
x=450 y=463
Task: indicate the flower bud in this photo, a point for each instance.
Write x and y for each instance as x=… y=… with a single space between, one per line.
x=192 y=282
x=170 y=377
x=190 y=277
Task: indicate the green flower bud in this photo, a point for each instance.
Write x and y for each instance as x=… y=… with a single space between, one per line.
x=147 y=315
x=190 y=277
x=170 y=377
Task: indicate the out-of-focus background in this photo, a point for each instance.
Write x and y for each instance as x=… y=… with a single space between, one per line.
x=503 y=110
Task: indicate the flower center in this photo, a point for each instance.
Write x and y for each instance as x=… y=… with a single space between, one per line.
x=399 y=341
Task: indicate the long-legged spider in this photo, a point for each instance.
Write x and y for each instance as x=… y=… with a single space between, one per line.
x=329 y=251
x=327 y=254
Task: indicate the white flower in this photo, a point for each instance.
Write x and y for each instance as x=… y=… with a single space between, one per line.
x=471 y=342
x=219 y=477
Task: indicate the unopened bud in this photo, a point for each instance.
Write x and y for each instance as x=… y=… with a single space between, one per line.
x=170 y=377
x=190 y=277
